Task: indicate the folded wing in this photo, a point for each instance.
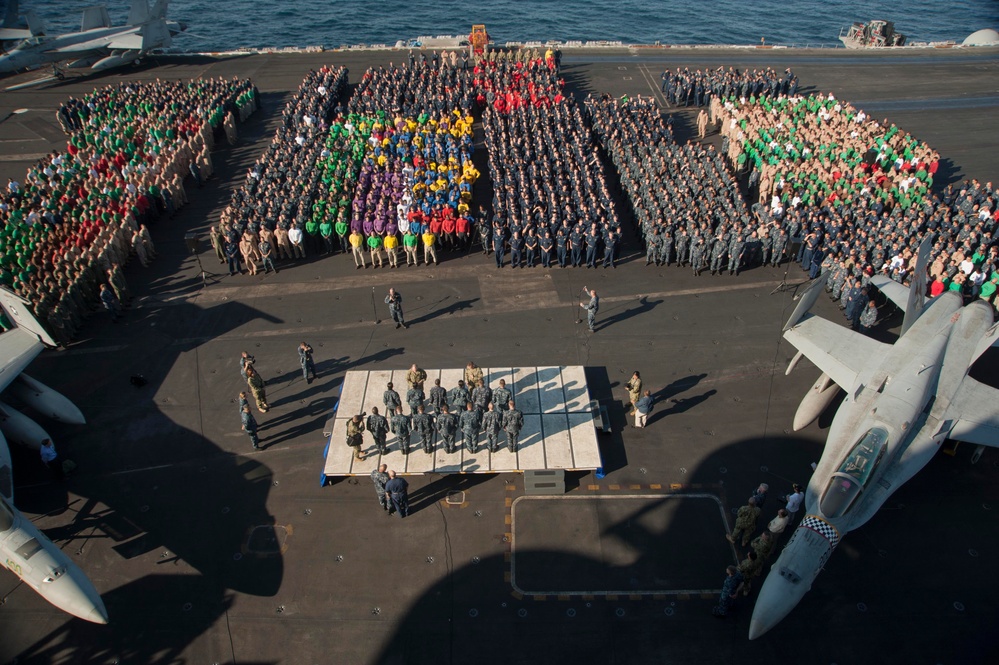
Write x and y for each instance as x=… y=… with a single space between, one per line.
x=837 y=351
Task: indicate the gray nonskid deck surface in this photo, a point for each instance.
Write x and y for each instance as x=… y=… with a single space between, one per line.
x=208 y=552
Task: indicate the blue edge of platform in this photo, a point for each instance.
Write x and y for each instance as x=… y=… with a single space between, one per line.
x=326 y=450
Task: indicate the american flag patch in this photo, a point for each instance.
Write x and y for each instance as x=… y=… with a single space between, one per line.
x=821 y=527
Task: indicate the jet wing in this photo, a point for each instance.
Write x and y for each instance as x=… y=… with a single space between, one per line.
x=150 y=36
x=837 y=351
x=18 y=348
x=979 y=419
x=14 y=34
x=897 y=293
x=128 y=42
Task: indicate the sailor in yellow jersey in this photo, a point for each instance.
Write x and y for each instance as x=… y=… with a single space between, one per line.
x=429 y=247
x=357 y=247
x=391 y=245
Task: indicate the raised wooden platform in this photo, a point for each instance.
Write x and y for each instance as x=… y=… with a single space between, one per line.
x=559 y=431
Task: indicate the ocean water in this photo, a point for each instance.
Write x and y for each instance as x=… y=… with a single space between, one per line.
x=230 y=24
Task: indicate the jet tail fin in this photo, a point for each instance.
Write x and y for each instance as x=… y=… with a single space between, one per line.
x=155 y=35
x=138 y=13
x=35 y=25
x=159 y=10
x=95 y=17
x=917 y=287
x=988 y=339
x=806 y=300
x=10 y=16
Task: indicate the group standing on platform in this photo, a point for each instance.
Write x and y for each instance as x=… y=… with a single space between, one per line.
x=470 y=408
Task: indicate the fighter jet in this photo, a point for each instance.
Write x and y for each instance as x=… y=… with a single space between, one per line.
x=24 y=549
x=98 y=44
x=11 y=30
x=903 y=400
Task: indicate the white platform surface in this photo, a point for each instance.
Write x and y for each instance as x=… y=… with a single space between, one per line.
x=558 y=433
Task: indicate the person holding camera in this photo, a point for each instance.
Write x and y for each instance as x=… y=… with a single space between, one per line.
x=355 y=427
x=634 y=388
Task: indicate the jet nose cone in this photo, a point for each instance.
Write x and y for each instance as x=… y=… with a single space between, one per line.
x=98 y=615
x=757 y=628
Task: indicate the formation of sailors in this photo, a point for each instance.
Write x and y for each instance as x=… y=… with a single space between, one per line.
x=855 y=195
x=546 y=173
x=81 y=213
x=686 y=205
x=284 y=181
x=394 y=169
x=686 y=88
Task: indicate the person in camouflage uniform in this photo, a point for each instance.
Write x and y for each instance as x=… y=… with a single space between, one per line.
x=378 y=426
x=470 y=422
x=730 y=591
x=401 y=427
x=458 y=397
x=665 y=249
x=472 y=375
x=652 y=243
x=423 y=424
x=735 y=254
x=718 y=250
x=838 y=281
x=391 y=399
x=779 y=245
x=438 y=396
x=447 y=426
x=492 y=423
x=415 y=377
x=414 y=397
x=249 y=425
x=513 y=422
x=750 y=567
x=481 y=396
x=682 y=242
x=256 y=384
x=745 y=522
x=766 y=243
x=869 y=318
x=379 y=477
x=502 y=396
x=355 y=427
x=763 y=545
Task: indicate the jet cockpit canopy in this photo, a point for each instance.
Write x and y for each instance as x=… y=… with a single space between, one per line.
x=849 y=481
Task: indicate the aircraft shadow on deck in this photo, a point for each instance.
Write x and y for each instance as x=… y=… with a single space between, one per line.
x=177 y=492
x=472 y=615
x=182 y=609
